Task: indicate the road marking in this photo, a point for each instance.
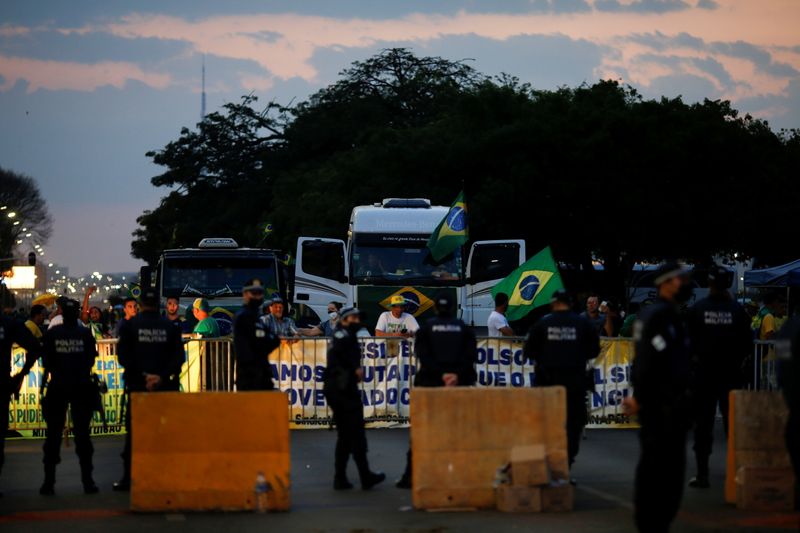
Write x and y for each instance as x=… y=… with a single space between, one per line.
x=606 y=496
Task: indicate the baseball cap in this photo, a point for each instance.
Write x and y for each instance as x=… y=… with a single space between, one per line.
x=253 y=285
x=349 y=311
x=668 y=271
x=201 y=304
x=276 y=299
x=397 y=300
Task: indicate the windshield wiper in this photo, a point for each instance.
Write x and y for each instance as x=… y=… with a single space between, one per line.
x=224 y=291
x=188 y=289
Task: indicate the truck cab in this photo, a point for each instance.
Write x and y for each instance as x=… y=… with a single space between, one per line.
x=216 y=270
x=386 y=254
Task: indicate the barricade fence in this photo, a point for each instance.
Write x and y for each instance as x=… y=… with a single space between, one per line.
x=389 y=368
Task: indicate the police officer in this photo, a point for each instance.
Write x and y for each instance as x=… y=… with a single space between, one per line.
x=342 y=375
x=69 y=355
x=252 y=341
x=721 y=341
x=660 y=378
x=560 y=344
x=446 y=352
x=151 y=352
x=787 y=350
x=11 y=332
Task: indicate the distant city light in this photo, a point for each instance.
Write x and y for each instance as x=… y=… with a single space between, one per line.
x=50 y=265
x=11 y=214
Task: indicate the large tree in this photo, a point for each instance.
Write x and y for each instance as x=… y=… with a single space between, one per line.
x=24 y=218
x=596 y=171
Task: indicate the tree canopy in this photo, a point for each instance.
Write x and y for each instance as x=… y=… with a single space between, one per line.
x=596 y=171
x=24 y=218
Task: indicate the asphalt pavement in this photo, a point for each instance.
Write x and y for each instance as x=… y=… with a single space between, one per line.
x=604 y=471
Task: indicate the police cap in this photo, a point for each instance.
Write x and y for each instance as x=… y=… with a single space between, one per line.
x=443 y=302
x=561 y=296
x=720 y=277
x=149 y=297
x=348 y=312
x=70 y=309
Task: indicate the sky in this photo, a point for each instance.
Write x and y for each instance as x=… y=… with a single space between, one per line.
x=88 y=86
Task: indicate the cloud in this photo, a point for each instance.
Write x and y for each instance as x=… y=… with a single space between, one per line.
x=707 y=4
x=641 y=6
x=7 y=30
x=59 y=75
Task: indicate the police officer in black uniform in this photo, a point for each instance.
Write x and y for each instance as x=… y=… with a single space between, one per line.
x=721 y=341
x=11 y=332
x=69 y=356
x=560 y=344
x=660 y=378
x=252 y=341
x=151 y=352
x=342 y=376
x=787 y=350
x=446 y=352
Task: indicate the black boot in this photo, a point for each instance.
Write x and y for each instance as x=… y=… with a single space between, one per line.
x=368 y=478
x=405 y=481
x=700 y=481
x=341 y=456
x=89 y=486
x=48 y=487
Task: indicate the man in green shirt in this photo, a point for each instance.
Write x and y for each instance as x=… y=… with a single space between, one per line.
x=207 y=326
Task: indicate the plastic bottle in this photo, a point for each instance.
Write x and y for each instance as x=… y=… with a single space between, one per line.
x=261 y=489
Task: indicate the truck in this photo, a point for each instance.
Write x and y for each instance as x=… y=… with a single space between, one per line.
x=216 y=270
x=386 y=254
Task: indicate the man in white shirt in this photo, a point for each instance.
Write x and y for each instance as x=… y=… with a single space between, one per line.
x=498 y=323
x=396 y=323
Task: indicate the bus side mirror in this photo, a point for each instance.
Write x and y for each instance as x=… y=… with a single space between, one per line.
x=145 y=277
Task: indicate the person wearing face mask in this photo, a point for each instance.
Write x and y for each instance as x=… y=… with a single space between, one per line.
x=252 y=341
x=660 y=378
x=327 y=327
x=342 y=376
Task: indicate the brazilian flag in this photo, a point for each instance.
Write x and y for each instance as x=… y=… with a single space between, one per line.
x=531 y=285
x=451 y=233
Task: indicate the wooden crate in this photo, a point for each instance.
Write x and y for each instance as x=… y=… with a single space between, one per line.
x=460 y=436
x=757 y=424
x=203 y=451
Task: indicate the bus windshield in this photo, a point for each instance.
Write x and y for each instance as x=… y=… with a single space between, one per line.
x=210 y=277
x=400 y=259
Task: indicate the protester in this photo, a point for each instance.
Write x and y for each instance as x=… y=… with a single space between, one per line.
x=626 y=330
x=560 y=344
x=172 y=312
x=55 y=317
x=613 y=322
x=253 y=341
x=13 y=332
x=497 y=323
x=660 y=379
x=447 y=352
x=593 y=314
x=396 y=322
x=69 y=353
x=36 y=321
x=341 y=378
x=326 y=327
x=151 y=352
x=721 y=341
x=278 y=324
x=131 y=309
x=207 y=326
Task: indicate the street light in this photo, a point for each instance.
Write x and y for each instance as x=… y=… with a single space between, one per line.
x=11 y=214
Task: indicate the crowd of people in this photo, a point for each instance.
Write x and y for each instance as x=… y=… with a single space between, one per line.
x=686 y=361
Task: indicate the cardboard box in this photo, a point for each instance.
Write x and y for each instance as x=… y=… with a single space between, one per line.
x=519 y=499
x=558 y=498
x=558 y=465
x=765 y=489
x=528 y=466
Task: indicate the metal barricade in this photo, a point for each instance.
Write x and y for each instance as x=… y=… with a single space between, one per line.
x=765 y=366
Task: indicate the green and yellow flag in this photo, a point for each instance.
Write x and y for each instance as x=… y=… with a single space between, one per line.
x=531 y=285
x=451 y=233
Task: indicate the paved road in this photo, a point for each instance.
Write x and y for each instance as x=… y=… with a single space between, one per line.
x=604 y=471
